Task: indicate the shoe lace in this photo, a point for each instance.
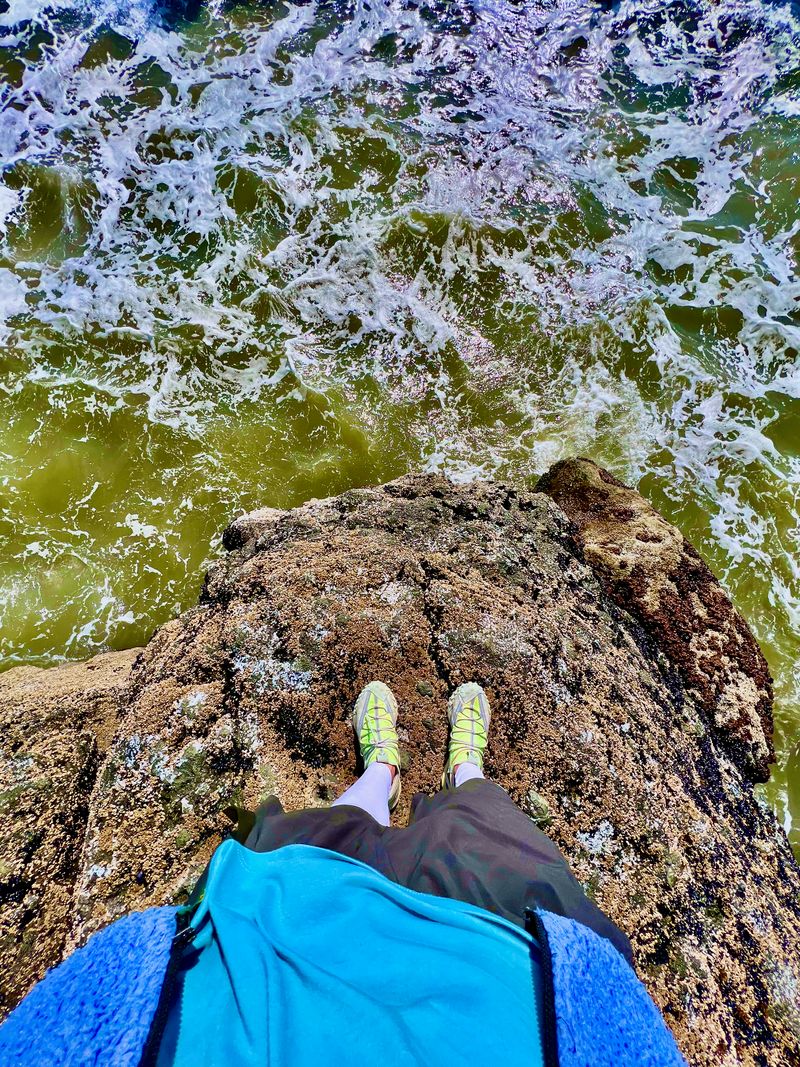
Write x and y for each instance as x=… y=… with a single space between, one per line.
x=469 y=730
x=378 y=731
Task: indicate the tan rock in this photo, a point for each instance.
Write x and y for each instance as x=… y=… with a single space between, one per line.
x=55 y=726
x=652 y=571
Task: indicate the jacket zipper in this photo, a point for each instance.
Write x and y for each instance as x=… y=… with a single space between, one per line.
x=182 y=939
x=535 y=927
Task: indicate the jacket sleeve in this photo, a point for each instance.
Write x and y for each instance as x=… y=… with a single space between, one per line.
x=97 y=1006
x=604 y=1015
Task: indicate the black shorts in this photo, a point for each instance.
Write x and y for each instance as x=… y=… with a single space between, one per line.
x=470 y=843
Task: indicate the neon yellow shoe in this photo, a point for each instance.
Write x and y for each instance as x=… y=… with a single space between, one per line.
x=375 y=722
x=469 y=715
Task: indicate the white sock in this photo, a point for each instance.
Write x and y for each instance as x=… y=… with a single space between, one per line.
x=370 y=793
x=465 y=771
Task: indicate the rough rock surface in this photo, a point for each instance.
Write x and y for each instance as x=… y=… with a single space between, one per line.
x=651 y=569
x=597 y=732
x=55 y=726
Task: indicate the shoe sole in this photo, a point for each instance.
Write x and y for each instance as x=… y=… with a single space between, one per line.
x=358 y=711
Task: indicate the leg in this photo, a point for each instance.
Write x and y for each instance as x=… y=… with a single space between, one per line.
x=348 y=830
x=473 y=843
x=371 y=792
x=465 y=772
x=357 y=822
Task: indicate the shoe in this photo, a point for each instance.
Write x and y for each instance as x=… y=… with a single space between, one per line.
x=469 y=715
x=375 y=721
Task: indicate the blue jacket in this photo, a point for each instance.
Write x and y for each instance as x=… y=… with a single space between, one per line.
x=98 y=1007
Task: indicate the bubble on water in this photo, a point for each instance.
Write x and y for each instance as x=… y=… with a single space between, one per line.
x=12 y=300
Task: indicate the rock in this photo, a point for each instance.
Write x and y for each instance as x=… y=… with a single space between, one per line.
x=535 y=805
x=652 y=571
x=420 y=580
x=248 y=527
x=55 y=726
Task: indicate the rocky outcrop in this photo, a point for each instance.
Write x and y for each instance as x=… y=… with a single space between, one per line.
x=55 y=727
x=599 y=732
x=651 y=569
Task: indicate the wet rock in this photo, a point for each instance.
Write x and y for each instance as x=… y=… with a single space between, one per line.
x=248 y=527
x=597 y=731
x=652 y=571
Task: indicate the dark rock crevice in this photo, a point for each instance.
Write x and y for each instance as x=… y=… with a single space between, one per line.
x=54 y=726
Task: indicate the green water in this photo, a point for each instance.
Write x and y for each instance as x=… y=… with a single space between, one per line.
x=271 y=251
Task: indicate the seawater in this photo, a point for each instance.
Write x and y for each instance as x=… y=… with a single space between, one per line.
x=255 y=253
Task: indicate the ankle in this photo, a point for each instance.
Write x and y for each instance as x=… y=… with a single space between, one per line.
x=466 y=771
